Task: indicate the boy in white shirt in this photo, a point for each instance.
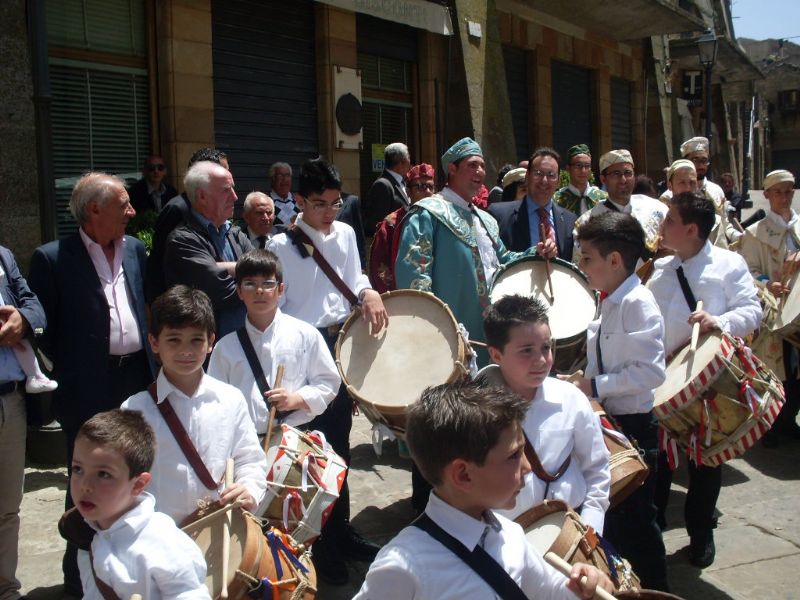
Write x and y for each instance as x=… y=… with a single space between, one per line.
x=323 y=283
x=469 y=481
x=126 y=546
x=310 y=379
x=563 y=430
x=720 y=278
x=625 y=351
x=213 y=414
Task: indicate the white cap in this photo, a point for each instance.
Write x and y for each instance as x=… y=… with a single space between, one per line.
x=778 y=176
x=696 y=144
x=614 y=157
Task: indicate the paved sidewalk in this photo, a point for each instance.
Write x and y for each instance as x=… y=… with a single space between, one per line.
x=758 y=539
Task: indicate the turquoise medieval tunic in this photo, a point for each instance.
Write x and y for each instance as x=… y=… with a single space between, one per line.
x=438 y=253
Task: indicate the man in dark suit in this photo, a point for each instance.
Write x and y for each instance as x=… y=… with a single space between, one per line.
x=522 y=221
x=152 y=192
x=350 y=213
x=91 y=287
x=388 y=193
x=20 y=314
x=258 y=214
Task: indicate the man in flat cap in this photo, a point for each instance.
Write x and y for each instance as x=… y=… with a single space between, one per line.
x=618 y=175
x=580 y=195
x=450 y=247
x=769 y=247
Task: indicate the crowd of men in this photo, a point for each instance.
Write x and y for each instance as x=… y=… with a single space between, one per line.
x=87 y=295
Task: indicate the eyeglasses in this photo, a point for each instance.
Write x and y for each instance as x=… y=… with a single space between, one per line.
x=551 y=175
x=421 y=186
x=267 y=285
x=323 y=206
x=582 y=166
x=627 y=174
x=700 y=160
x=159 y=167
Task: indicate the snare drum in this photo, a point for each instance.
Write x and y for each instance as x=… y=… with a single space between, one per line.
x=787 y=324
x=628 y=469
x=572 y=307
x=304 y=478
x=386 y=374
x=717 y=402
x=251 y=558
x=553 y=527
x=645 y=595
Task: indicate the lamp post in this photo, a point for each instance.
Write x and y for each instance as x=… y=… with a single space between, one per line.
x=707 y=51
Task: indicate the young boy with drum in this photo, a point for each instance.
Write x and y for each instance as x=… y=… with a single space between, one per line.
x=272 y=338
x=568 y=456
x=323 y=283
x=699 y=271
x=460 y=548
x=625 y=352
x=766 y=246
x=126 y=547
x=199 y=422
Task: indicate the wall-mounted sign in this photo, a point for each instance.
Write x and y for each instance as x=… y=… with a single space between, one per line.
x=692 y=87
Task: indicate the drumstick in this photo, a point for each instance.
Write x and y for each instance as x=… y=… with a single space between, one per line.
x=136 y=597
x=542 y=238
x=737 y=225
x=478 y=344
x=696 y=329
x=226 y=533
x=565 y=568
x=273 y=410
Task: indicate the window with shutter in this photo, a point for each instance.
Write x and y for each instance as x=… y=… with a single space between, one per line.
x=621 y=128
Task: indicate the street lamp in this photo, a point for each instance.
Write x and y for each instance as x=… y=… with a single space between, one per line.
x=707 y=50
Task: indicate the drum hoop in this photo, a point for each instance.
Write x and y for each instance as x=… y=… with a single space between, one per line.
x=536 y=258
x=458 y=369
x=536 y=513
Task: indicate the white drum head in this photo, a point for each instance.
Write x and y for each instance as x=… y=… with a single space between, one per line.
x=575 y=305
x=419 y=349
x=544 y=532
x=791 y=306
x=684 y=368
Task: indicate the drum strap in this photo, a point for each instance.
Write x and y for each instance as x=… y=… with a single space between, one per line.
x=599 y=350
x=478 y=560
x=301 y=240
x=538 y=469
x=610 y=205
x=183 y=439
x=106 y=591
x=687 y=291
x=255 y=367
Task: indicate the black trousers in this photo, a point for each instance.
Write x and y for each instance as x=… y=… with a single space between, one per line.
x=631 y=526
x=126 y=380
x=787 y=419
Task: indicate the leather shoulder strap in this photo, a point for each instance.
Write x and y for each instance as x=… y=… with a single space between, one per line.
x=538 y=469
x=106 y=591
x=334 y=278
x=478 y=560
x=183 y=439
x=686 y=289
x=252 y=360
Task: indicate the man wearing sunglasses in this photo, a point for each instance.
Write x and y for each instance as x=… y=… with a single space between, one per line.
x=151 y=192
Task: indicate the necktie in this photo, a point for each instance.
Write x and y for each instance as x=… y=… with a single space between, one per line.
x=262 y=241
x=544 y=219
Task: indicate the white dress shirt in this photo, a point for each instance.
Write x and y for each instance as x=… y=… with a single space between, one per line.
x=124 y=331
x=632 y=333
x=414 y=565
x=718 y=277
x=299 y=347
x=310 y=295
x=217 y=421
x=559 y=422
x=144 y=552
x=486 y=248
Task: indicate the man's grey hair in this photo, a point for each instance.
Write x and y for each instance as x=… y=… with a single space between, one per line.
x=198 y=177
x=93 y=187
x=252 y=197
x=279 y=165
x=394 y=154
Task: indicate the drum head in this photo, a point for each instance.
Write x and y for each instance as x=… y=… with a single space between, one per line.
x=209 y=539
x=575 y=304
x=544 y=532
x=790 y=309
x=685 y=367
x=418 y=349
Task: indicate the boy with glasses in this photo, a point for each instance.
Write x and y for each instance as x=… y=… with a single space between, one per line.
x=580 y=195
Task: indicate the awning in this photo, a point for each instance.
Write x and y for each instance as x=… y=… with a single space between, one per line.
x=415 y=13
x=629 y=20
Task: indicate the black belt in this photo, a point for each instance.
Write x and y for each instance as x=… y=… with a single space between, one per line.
x=116 y=361
x=9 y=387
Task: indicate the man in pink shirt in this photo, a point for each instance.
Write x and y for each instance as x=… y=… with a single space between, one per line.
x=91 y=287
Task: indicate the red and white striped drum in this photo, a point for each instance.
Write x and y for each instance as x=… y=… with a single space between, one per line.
x=718 y=401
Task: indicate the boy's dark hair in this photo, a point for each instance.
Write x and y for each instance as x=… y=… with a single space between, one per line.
x=258 y=263
x=126 y=432
x=316 y=176
x=508 y=312
x=207 y=154
x=695 y=209
x=182 y=306
x=615 y=232
x=459 y=420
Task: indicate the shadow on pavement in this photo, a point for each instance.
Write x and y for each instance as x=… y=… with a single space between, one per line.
x=779 y=463
x=55 y=592
x=38 y=480
x=685 y=580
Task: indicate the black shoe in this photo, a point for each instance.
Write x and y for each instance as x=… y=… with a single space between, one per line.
x=355 y=547
x=329 y=563
x=702 y=551
x=770 y=440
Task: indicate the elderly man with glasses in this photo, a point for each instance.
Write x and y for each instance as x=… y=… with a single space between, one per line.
x=152 y=191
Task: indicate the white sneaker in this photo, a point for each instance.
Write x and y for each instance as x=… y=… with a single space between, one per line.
x=39 y=385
